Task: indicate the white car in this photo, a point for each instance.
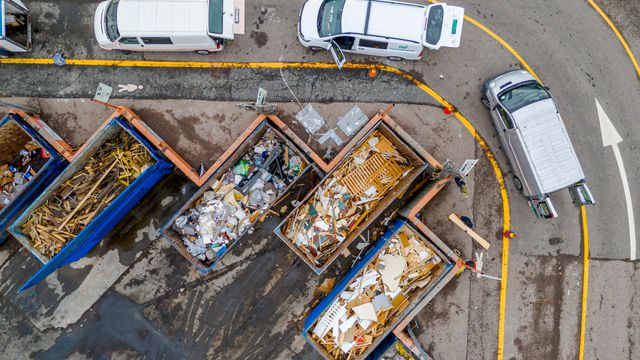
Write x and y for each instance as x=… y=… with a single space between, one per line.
x=202 y=26
x=394 y=29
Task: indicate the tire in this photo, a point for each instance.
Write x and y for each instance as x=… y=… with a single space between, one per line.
x=203 y=52
x=517 y=183
x=395 y=58
x=485 y=102
x=315 y=48
x=125 y=52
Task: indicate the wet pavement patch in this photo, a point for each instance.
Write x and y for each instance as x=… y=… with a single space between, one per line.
x=117 y=324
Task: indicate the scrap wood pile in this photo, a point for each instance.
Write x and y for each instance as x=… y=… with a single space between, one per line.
x=374 y=299
x=344 y=199
x=83 y=196
x=20 y=170
x=239 y=197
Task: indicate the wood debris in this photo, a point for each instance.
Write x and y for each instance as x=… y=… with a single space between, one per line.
x=75 y=203
x=374 y=301
x=345 y=198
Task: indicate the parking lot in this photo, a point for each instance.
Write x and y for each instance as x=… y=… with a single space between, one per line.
x=134 y=296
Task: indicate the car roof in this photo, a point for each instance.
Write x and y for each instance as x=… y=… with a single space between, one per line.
x=389 y=19
x=547 y=143
x=162 y=17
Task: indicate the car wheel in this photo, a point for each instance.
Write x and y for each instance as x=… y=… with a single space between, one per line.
x=485 y=102
x=395 y=58
x=203 y=52
x=316 y=48
x=517 y=183
x=125 y=52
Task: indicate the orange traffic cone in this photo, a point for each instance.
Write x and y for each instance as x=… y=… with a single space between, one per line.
x=373 y=72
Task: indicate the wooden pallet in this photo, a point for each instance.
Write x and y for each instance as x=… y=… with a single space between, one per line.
x=376 y=171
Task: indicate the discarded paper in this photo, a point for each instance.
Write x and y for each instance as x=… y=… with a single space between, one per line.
x=368 y=306
x=345 y=198
x=239 y=197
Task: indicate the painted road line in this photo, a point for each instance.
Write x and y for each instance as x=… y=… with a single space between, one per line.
x=615 y=30
x=610 y=137
x=585 y=279
x=499 y=39
x=317 y=65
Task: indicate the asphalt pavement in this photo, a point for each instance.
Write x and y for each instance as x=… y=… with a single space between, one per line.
x=570 y=48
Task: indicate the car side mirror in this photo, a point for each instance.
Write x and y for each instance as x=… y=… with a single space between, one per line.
x=546 y=87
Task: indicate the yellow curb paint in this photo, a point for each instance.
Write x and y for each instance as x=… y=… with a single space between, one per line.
x=585 y=279
x=618 y=34
x=317 y=65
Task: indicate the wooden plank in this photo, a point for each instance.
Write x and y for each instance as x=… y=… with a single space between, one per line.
x=456 y=220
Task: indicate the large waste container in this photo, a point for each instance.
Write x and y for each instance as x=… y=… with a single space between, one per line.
x=401 y=270
x=28 y=163
x=106 y=178
x=254 y=177
x=378 y=169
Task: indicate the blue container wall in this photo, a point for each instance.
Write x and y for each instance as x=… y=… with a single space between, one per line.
x=43 y=178
x=325 y=303
x=95 y=231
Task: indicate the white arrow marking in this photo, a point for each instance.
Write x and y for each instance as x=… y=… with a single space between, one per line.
x=610 y=137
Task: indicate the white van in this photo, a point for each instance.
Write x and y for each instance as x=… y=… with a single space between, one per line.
x=202 y=26
x=394 y=29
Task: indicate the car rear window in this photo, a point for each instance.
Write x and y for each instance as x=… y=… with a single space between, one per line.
x=523 y=95
x=434 y=24
x=215 y=16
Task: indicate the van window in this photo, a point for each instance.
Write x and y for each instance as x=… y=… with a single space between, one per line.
x=434 y=24
x=373 y=44
x=157 y=41
x=215 y=16
x=521 y=96
x=111 y=20
x=330 y=17
x=506 y=119
x=129 y=41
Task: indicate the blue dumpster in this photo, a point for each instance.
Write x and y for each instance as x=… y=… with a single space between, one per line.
x=109 y=217
x=180 y=239
x=335 y=311
x=14 y=135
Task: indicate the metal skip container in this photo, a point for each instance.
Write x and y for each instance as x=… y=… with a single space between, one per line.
x=403 y=269
x=379 y=168
x=68 y=220
x=255 y=174
x=28 y=163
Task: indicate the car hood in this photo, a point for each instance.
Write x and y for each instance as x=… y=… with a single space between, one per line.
x=98 y=24
x=308 y=23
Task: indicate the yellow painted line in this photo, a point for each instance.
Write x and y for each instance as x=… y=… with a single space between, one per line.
x=318 y=65
x=618 y=34
x=499 y=39
x=585 y=280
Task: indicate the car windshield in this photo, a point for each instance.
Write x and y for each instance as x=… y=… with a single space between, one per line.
x=434 y=24
x=215 y=16
x=518 y=97
x=111 y=21
x=330 y=18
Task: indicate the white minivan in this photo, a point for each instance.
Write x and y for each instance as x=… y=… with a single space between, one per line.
x=394 y=29
x=202 y=26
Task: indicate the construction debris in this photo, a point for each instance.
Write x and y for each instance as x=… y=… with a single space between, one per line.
x=345 y=198
x=20 y=170
x=85 y=194
x=375 y=299
x=239 y=197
